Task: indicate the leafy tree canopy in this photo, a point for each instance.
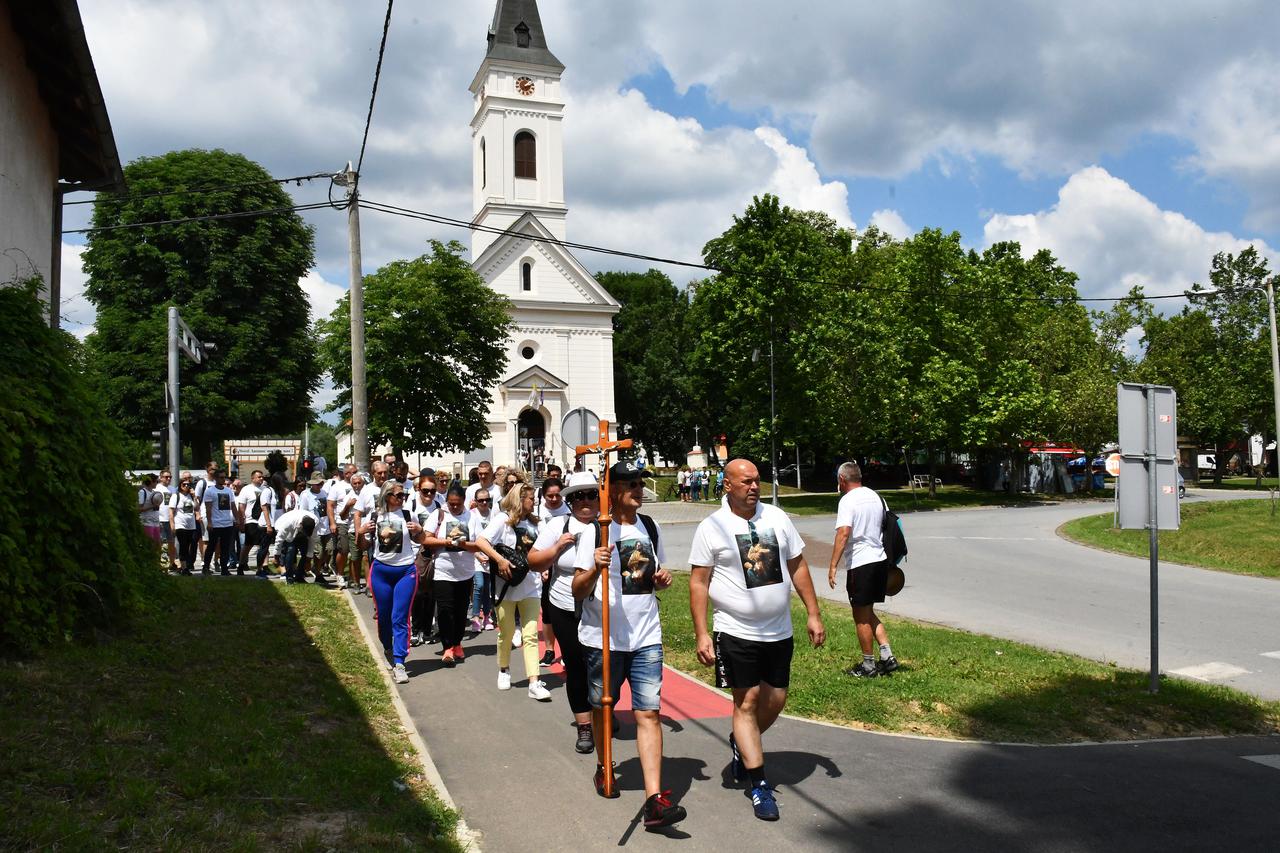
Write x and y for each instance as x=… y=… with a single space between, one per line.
x=235 y=282
x=434 y=345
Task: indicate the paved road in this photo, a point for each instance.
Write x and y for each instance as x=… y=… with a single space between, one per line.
x=1004 y=572
x=509 y=764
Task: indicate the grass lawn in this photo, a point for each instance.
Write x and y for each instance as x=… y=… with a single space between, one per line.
x=1236 y=483
x=1231 y=536
x=239 y=715
x=955 y=684
x=667 y=480
x=949 y=497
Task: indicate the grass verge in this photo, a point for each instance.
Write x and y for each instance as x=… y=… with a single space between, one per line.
x=961 y=685
x=239 y=715
x=1241 y=537
x=1236 y=483
x=949 y=497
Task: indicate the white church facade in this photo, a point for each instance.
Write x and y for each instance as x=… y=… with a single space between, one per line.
x=558 y=381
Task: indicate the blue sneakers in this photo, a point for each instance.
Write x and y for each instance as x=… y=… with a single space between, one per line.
x=762 y=801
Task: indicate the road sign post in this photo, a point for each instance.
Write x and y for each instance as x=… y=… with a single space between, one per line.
x=1148 y=429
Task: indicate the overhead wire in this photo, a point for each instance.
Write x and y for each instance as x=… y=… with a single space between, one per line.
x=121 y=199
x=440 y=219
x=238 y=214
x=373 y=95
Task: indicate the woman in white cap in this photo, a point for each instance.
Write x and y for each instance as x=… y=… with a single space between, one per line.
x=515 y=527
x=555 y=553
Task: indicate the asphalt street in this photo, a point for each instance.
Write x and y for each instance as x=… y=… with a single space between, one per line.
x=509 y=764
x=1004 y=572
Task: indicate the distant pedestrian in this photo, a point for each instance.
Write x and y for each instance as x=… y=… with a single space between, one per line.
x=219 y=519
x=184 y=520
x=149 y=508
x=746 y=559
x=859 y=552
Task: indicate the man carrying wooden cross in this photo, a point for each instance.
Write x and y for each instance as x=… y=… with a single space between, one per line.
x=633 y=557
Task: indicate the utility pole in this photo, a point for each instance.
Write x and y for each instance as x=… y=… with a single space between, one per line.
x=180 y=338
x=359 y=391
x=773 y=432
x=1275 y=368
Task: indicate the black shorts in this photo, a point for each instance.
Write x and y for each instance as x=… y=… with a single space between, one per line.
x=252 y=535
x=866 y=583
x=745 y=663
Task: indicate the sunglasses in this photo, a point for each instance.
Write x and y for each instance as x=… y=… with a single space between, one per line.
x=396 y=495
x=484 y=500
x=428 y=491
x=635 y=484
x=584 y=496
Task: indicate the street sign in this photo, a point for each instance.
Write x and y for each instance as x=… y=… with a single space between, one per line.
x=1113 y=464
x=1147 y=487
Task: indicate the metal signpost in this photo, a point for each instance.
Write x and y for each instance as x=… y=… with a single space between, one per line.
x=1148 y=416
x=180 y=338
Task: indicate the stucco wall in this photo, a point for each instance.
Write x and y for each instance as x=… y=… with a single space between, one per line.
x=28 y=165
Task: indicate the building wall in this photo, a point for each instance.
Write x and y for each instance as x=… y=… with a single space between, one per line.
x=28 y=165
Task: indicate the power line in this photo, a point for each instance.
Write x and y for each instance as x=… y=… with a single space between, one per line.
x=240 y=214
x=121 y=199
x=440 y=219
x=377 y=73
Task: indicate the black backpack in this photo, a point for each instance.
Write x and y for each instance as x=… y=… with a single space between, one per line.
x=891 y=537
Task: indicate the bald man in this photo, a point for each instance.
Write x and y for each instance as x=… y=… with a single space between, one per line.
x=746 y=559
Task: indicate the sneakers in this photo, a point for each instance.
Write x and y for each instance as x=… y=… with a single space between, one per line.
x=586 y=742
x=735 y=760
x=548 y=659
x=539 y=691
x=477 y=624
x=417 y=639
x=888 y=665
x=458 y=654
x=488 y=624
x=398 y=675
x=504 y=680
x=447 y=659
x=598 y=781
x=863 y=670
x=660 y=811
x=763 y=802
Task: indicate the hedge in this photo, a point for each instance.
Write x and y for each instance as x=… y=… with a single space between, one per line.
x=73 y=556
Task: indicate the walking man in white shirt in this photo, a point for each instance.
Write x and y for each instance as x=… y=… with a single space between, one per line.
x=746 y=558
x=859 y=552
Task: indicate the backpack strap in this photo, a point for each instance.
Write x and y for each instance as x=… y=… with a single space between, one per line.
x=651 y=527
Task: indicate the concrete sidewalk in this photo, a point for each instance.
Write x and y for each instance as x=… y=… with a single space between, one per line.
x=510 y=765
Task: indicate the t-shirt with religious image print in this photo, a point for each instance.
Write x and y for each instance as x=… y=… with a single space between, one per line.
x=183 y=508
x=633 y=607
x=750 y=588
x=499 y=532
x=218 y=505
x=392 y=543
x=478 y=523
x=862 y=512
x=453 y=563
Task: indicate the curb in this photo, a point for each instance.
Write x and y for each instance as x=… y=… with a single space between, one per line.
x=468 y=838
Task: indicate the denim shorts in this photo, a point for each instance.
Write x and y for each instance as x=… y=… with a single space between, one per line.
x=642 y=669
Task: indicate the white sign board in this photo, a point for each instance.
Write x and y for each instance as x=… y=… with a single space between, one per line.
x=1140 y=408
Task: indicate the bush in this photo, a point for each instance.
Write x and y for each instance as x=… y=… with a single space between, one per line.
x=73 y=552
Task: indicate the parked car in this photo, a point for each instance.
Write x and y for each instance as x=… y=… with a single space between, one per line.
x=1207 y=463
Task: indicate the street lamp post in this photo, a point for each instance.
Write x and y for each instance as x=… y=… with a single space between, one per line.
x=181 y=339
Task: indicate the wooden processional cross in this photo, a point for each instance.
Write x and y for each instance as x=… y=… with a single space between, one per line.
x=604 y=446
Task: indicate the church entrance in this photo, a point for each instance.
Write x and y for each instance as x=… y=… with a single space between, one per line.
x=531 y=450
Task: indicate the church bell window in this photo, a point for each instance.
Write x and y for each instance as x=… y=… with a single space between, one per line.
x=526 y=155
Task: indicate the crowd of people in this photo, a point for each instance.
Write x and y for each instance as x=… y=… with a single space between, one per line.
x=697 y=484
x=445 y=562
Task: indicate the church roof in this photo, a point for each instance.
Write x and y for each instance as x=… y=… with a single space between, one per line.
x=530 y=229
x=516 y=34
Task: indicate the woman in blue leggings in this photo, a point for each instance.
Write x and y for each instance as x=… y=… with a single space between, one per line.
x=393 y=577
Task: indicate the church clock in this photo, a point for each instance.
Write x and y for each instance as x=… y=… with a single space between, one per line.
x=524 y=86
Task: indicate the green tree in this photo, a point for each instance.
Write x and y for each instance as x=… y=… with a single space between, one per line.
x=324 y=441
x=434 y=347
x=235 y=281
x=651 y=390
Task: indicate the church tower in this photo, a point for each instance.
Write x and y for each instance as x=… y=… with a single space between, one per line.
x=559 y=377
x=517 y=144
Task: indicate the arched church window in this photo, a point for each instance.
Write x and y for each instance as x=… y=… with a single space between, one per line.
x=526 y=155
x=522 y=34
x=484 y=165
x=526 y=276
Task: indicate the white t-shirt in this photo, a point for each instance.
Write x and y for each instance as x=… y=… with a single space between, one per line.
x=314 y=503
x=452 y=565
x=750 y=585
x=546 y=513
x=217 y=504
x=564 y=567
x=633 y=608
x=150 y=516
x=367 y=503
x=246 y=499
x=498 y=532
x=392 y=543
x=338 y=494
x=271 y=510
x=861 y=511
x=184 y=509
x=166 y=492
x=478 y=524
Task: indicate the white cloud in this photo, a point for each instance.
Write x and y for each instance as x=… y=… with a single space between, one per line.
x=1114 y=237
x=77 y=311
x=323 y=296
x=892 y=223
